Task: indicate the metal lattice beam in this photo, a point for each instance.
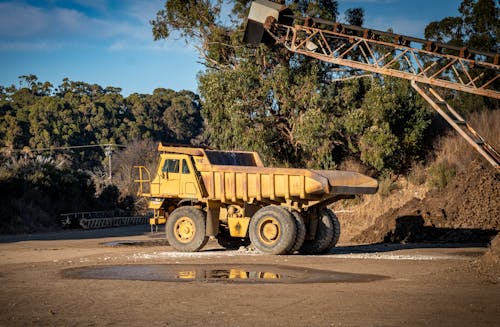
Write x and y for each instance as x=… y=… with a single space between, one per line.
x=392 y=55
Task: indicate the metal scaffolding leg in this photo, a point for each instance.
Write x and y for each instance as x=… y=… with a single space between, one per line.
x=459 y=124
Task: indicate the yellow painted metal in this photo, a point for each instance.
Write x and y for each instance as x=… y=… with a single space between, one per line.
x=233 y=183
x=155 y=203
x=184 y=230
x=269 y=230
x=238 y=227
x=188 y=274
x=175 y=177
x=181 y=150
x=157 y=221
x=239 y=177
x=269 y=275
x=238 y=274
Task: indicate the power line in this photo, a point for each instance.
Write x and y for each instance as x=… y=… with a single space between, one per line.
x=107 y=145
x=108 y=151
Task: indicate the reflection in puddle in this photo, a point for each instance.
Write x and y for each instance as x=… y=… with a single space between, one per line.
x=221 y=274
x=218 y=273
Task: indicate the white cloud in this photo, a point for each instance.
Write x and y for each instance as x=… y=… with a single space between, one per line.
x=44 y=46
x=145 y=10
x=21 y=24
x=19 y=20
x=25 y=27
x=100 y=5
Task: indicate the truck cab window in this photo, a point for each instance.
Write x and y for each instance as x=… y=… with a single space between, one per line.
x=171 y=166
x=185 y=168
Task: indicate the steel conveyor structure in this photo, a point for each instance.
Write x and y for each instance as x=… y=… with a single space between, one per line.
x=425 y=63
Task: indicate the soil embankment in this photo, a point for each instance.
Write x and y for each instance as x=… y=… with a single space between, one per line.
x=467 y=210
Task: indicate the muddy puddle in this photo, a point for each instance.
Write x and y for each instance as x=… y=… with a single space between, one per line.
x=250 y=274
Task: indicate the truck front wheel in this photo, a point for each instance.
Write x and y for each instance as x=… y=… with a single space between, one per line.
x=185 y=229
x=272 y=230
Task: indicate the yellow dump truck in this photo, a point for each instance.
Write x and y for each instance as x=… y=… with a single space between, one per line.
x=200 y=193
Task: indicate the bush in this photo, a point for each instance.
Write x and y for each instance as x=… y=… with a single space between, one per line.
x=34 y=191
x=417 y=175
x=386 y=185
x=440 y=174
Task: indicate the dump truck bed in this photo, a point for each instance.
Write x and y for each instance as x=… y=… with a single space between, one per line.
x=240 y=176
x=242 y=183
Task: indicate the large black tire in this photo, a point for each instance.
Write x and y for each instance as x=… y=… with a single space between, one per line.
x=185 y=229
x=225 y=240
x=323 y=236
x=272 y=230
x=336 y=228
x=301 y=232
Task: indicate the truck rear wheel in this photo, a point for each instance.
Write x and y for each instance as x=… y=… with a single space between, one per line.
x=301 y=232
x=272 y=230
x=185 y=229
x=336 y=228
x=323 y=236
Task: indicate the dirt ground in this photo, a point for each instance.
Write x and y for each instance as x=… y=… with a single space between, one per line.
x=70 y=278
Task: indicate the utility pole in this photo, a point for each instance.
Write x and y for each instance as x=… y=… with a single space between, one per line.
x=109 y=152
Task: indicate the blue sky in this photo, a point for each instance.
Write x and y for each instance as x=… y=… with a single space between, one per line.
x=109 y=42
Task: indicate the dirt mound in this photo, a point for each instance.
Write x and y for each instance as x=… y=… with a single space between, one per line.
x=488 y=266
x=467 y=210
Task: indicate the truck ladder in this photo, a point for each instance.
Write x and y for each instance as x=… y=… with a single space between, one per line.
x=459 y=124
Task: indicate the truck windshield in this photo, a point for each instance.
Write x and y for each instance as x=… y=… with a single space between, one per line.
x=171 y=166
x=230 y=158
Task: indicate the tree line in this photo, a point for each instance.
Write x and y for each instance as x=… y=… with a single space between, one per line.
x=38 y=115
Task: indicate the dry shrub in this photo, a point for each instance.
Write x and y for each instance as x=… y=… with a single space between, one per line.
x=137 y=153
x=387 y=185
x=455 y=150
x=417 y=175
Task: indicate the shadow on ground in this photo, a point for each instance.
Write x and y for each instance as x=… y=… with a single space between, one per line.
x=411 y=232
x=80 y=234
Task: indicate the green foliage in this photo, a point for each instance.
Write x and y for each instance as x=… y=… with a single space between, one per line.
x=77 y=113
x=377 y=146
x=440 y=174
x=477 y=27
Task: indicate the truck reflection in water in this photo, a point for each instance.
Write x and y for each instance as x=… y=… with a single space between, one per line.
x=221 y=274
x=224 y=273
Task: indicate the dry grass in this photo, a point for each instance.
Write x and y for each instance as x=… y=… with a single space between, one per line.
x=456 y=151
x=355 y=216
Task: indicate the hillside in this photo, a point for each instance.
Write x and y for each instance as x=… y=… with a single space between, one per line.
x=466 y=210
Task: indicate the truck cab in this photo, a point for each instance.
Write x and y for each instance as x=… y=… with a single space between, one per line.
x=176 y=177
